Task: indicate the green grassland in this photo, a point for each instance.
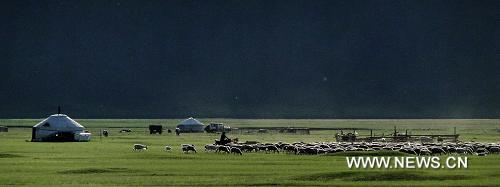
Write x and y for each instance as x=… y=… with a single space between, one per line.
x=111 y=162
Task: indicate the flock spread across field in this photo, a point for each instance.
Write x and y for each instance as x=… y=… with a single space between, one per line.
x=113 y=161
x=315 y=148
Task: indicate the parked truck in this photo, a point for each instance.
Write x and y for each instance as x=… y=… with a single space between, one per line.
x=217 y=127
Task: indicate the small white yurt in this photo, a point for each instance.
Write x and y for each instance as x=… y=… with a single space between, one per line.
x=59 y=128
x=191 y=125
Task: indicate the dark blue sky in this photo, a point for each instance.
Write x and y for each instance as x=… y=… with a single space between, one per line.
x=272 y=59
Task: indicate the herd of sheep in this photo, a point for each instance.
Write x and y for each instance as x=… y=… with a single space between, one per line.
x=301 y=148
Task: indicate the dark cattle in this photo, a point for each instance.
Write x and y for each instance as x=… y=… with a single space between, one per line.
x=105 y=133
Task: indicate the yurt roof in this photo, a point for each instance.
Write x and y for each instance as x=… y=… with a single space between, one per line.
x=59 y=122
x=191 y=121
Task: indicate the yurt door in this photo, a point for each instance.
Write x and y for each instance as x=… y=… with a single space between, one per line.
x=33 y=134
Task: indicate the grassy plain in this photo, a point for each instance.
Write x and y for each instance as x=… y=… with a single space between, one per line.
x=111 y=162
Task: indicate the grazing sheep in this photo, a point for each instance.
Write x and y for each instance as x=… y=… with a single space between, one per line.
x=494 y=149
x=437 y=150
x=247 y=148
x=272 y=148
x=236 y=150
x=223 y=149
x=460 y=150
x=290 y=149
x=168 y=148
x=315 y=148
x=482 y=150
x=408 y=150
x=482 y=154
x=425 y=151
x=261 y=148
x=308 y=150
x=140 y=147
x=188 y=148
x=211 y=147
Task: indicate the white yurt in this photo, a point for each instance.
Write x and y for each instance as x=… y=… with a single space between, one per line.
x=59 y=128
x=191 y=125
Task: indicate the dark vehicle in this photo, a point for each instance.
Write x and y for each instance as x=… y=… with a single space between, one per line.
x=153 y=129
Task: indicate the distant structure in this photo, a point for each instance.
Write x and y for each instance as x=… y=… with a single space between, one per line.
x=59 y=128
x=191 y=125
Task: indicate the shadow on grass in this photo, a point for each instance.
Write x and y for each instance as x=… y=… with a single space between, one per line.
x=380 y=176
x=8 y=155
x=165 y=157
x=94 y=171
x=262 y=184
